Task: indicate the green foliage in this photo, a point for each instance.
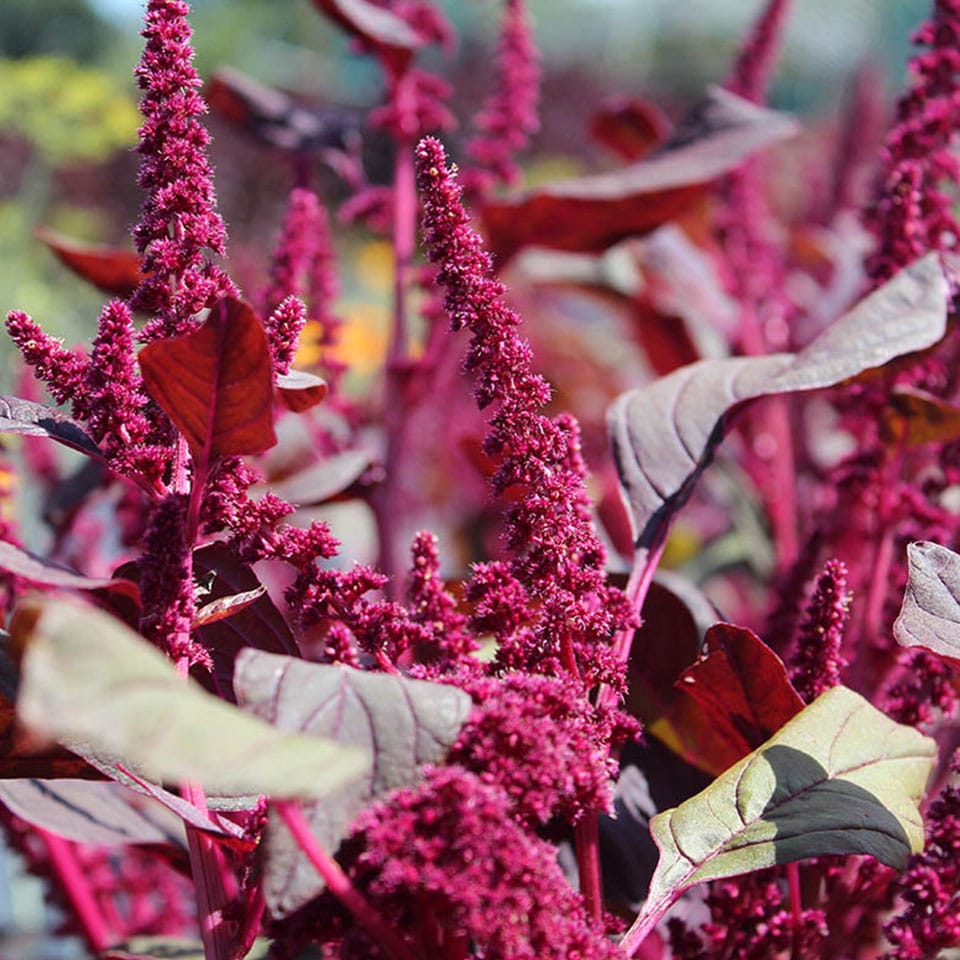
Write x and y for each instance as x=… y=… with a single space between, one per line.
x=69 y=27
x=68 y=112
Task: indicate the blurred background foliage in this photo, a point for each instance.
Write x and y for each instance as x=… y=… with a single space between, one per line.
x=68 y=122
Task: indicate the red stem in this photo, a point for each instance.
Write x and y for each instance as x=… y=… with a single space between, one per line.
x=339 y=883
x=74 y=884
x=586 y=839
x=796 y=907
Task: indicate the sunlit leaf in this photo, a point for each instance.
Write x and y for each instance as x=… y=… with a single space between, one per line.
x=88 y=681
x=402 y=723
x=664 y=434
x=839 y=778
x=930 y=614
x=216 y=383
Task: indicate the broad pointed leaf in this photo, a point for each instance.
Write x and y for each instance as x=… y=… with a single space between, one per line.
x=402 y=723
x=114 y=270
x=664 y=434
x=38 y=420
x=592 y=213
x=839 y=778
x=216 y=383
x=930 y=614
x=89 y=812
x=174 y=948
x=90 y=682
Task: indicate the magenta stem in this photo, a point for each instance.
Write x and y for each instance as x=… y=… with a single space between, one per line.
x=649 y=916
x=74 y=884
x=338 y=883
x=586 y=839
x=796 y=907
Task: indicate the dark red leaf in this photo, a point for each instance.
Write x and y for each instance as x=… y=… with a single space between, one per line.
x=216 y=383
x=114 y=270
x=38 y=420
x=299 y=390
x=276 y=118
x=257 y=624
x=742 y=687
x=592 y=213
x=630 y=127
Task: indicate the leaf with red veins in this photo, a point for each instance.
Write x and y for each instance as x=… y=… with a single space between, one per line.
x=216 y=383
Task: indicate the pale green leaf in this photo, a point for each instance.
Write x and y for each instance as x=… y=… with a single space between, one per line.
x=839 y=778
x=91 y=683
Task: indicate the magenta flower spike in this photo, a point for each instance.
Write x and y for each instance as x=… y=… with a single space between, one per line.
x=179 y=219
x=754 y=67
x=912 y=213
x=509 y=117
x=817 y=662
x=557 y=556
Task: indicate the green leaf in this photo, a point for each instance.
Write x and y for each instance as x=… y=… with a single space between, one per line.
x=839 y=778
x=94 y=685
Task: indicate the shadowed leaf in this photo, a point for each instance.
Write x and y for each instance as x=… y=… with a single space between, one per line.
x=38 y=420
x=259 y=624
x=90 y=812
x=664 y=434
x=742 y=690
x=839 y=778
x=631 y=128
x=216 y=383
x=275 y=118
x=592 y=213
x=930 y=614
x=114 y=270
x=402 y=723
x=91 y=683
x=36 y=569
x=323 y=480
x=914 y=416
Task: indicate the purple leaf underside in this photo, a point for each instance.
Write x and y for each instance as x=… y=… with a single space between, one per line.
x=930 y=615
x=38 y=420
x=403 y=723
x=664 y=434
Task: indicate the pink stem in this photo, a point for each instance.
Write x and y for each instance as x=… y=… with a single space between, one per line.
x=339 y=883
x=586 y=838
x=796 y=907
x=74 y=885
